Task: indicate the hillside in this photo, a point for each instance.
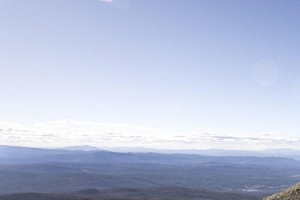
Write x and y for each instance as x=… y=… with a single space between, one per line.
x=293 y=193
x=175 y=193
x=25 y=170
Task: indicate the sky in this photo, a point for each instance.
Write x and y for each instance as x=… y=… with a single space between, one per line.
x=174 y=74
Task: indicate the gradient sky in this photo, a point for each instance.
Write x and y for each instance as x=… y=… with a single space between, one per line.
x=160 y=73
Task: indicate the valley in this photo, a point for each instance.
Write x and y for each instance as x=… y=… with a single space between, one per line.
x=27 y=170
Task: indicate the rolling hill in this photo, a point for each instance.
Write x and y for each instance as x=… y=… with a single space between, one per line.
x=27 y=170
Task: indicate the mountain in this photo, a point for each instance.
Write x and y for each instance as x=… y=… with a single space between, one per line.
x=11 y=152
x=81 y=148
x=288 y=153
x=24 y=170
x=35 y=155
x=293 y=193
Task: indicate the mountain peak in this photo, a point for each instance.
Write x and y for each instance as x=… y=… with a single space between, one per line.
x=81 y=148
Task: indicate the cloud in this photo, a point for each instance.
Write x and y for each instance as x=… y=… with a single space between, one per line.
x=119 y=4
x=67 y=132
x=72 y=132
x=108 y=1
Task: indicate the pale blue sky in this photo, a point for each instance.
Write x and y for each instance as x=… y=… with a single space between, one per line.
x=176 y=67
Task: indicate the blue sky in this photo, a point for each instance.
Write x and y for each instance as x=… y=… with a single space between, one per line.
x=165 y=74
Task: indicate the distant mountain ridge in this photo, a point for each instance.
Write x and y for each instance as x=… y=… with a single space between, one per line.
x=287 y=153
x=81 y=148
x=35 y=155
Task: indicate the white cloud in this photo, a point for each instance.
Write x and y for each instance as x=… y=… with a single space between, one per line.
x=68 y=132
x=119 y=4
x=108 y=1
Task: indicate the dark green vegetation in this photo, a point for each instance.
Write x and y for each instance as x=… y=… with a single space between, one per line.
x=24 y=170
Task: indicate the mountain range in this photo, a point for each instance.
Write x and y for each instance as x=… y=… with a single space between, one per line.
x=288 y=153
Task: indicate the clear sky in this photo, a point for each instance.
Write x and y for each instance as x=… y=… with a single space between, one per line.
x=160 y=73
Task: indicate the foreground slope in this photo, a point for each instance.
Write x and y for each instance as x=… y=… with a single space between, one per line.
x=293 y=193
